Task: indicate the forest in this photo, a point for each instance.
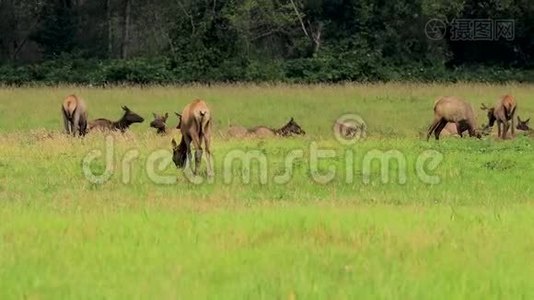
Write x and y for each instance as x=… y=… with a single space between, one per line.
x=103 y=42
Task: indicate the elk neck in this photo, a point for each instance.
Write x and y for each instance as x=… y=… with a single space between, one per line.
x=122 y=124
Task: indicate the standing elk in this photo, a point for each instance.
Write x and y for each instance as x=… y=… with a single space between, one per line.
x=451 y=109
x=123 y=124
x=195 y=126
x=503 y=112
x=160 y=123
x=74 y=113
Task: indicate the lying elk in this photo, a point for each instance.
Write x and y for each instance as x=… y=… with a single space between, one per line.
x=123 y=124
x=195 y=126
x=451 y=130
x=290 y=129
x=74 y=113
x=503 y=112
x=159 y=123
x=522 y=125
x=454 y=110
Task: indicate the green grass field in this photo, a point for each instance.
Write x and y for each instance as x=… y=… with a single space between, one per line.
x=467 y=235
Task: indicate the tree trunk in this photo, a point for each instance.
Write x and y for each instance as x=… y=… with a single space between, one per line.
x=126 y=28
x=316 y=38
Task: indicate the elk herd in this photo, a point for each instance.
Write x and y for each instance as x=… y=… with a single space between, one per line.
x=452 y=116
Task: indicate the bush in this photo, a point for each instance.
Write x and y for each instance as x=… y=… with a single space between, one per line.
x=349 y=66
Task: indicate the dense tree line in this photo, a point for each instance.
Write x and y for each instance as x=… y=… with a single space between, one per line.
x=141 y=41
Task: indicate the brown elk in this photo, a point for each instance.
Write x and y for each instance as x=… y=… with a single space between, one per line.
x=195 y=126
x=453 y=110
x=290 y=129
x=160 y=123
x=123 y=124
x=74 y=113
x=451 y=130
x=503 y=112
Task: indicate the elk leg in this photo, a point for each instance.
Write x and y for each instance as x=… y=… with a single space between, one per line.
x=459 y=129
x=83 y=126
x=76 y=124
x=66 y=123
x=513 y=126
x=439 y=128
x=505 y=130
x=198 y=151
x=432 y=127
x=187 y=141
x=198 y=158
x=499 y=123
x=209 y=158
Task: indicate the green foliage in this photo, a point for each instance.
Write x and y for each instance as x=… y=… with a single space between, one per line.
x=324 y=68
x=227 y=41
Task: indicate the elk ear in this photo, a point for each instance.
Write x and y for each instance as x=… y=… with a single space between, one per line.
x=155 y=116
x=526 y=121
x=483 y=106
x=173 y=142
x=166 y=116
x=291 y=120
x=178 y=115
x=125 y=108
x=518 y=119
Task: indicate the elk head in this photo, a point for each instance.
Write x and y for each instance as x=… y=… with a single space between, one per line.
x=522 y=125
x=131 y=117
x=291 y=128
x=179 y=153
x=159 y=122
x=491 y=114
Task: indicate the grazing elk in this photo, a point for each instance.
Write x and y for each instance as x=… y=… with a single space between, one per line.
x=503 y=112
x=159 y=123
x=123 y=124
x=290 y=129
x=74 y=113
x=453 y=110
x=195 y=126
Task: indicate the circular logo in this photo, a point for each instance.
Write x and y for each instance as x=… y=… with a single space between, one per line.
x=349 y=128
x=435 y=29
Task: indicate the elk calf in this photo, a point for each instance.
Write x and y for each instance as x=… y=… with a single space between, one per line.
x=522 y=125
x=503 y=112
x=74 y=113
x=159 y=123
x=454 y=110
x=195 y=126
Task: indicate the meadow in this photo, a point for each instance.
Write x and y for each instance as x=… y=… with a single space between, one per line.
x=355 y=235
